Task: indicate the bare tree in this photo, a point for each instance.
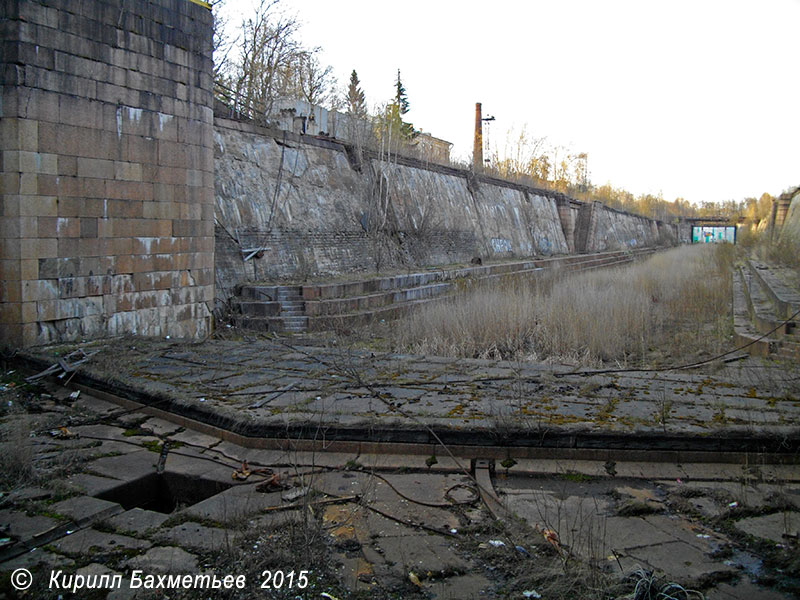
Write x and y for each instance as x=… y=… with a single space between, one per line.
x=314 y=83
x=269 y=51
x=221 y=43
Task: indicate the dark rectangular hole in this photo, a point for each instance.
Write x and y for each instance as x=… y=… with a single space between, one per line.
x=163 y=492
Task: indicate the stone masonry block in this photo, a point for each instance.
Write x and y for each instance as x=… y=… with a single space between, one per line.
x=48 y=185
x=70 y=207
x=10 y=290
x=29 y=268
x=9 y=270
x=39 y=206
x=9 y=183
x=28 y=135
x=68 y=186
x=96 y=168
x=121 y=246
x=38 y=248
x=141 y=150
x=29 y=312
x=9 y=227
x=28 y=227
x=160 y=210
x=10 y=248
x=104 y=228
x=127 y=171
x=95 y=207
x=129 y=190
x=60 y=227
x=67 y=248
x=10 y=312
x=40 y=290
x=94 y=247
x=28 y=184
x=67 y=166
x=88 y=227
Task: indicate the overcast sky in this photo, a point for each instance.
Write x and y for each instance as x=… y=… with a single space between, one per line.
x=698 y=99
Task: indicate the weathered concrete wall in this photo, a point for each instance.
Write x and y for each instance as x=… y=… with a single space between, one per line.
x=616 y=230
x=790 y=228
x=107 y=169
x=319 y=210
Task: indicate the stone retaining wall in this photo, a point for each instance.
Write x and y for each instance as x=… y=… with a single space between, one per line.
x=319 y=210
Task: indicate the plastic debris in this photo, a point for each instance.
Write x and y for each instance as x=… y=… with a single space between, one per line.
x=328 y=596
x=242 y=472
x=75 y=395
x=295 y=494
x=412 y=577
x=454 y=531
x=497 y=543
x=273 y=484
x=551 y=537
x=733 y=505
x=62 y=433
x=521 y=550
x=531 y=594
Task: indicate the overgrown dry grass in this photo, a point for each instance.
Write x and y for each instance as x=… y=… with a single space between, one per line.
x=675 y=301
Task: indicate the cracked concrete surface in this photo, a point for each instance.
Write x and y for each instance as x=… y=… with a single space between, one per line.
x=117 y=500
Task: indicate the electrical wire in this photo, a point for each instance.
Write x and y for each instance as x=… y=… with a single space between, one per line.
x=684 y=366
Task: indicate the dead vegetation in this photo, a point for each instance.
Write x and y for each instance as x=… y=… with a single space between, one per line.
x=674 y=303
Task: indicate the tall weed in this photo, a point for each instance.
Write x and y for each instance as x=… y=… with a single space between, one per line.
x=620 y=315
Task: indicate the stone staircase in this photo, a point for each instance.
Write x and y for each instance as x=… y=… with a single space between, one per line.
x=278 y=308
x=325 y=306
x=764 y=304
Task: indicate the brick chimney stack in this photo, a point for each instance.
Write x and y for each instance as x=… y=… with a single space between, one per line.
x=477 y=146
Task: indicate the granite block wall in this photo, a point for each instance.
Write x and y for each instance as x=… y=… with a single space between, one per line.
x=106 y=224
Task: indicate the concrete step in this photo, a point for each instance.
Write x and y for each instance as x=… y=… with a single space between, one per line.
x=744 y=331
x=250 y=308
x=261 y=324
x=357 y=302
x=294 y=320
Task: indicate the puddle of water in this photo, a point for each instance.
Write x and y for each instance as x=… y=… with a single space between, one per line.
x=745 y=561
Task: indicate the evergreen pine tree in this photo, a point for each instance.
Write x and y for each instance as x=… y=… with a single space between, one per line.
x=356 y=101
x=401 y=107
x=400 y=98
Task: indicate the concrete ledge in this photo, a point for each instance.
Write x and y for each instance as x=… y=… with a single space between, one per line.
x=545 y=441
x=742 y=328
x=786 y=301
